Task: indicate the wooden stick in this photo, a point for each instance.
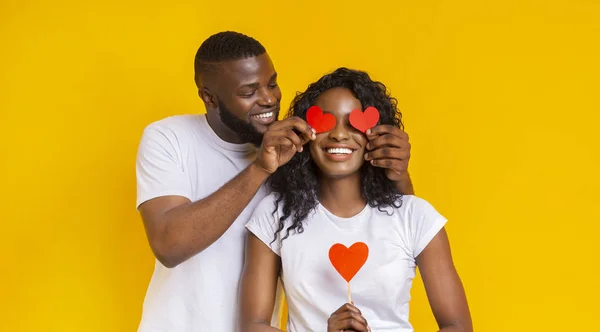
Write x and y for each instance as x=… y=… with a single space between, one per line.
x=349 y=297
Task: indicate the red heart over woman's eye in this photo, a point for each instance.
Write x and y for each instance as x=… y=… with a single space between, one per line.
x=364 y=120
x=319 y=121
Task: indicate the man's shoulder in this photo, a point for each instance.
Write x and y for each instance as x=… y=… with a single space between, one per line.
x=173 y=133
x=177 y=124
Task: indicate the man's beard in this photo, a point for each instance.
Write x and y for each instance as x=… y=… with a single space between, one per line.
x=245 y=131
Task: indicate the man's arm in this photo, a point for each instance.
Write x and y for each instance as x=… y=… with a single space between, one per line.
x=177 y=228
x=389 y=148
x=404 y=184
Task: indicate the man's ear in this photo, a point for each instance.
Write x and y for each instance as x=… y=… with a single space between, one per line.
x=209 y=99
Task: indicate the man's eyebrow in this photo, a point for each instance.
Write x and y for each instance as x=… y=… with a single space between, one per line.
x=249 y=85
x=256 y=85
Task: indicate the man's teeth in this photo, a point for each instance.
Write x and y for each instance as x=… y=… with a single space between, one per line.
x=339 y=151
x=263 y=115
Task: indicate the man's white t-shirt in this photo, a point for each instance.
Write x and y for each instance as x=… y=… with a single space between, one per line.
x=183 y=156
x=380 y=289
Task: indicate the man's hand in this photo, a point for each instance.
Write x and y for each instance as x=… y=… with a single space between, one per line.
x=389 y=148
x=347 y=318
x=281 y=142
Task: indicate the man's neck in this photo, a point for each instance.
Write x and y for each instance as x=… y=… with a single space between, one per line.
x=224 y=133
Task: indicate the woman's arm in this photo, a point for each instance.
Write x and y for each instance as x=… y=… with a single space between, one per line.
x=259 y=286
x=443 y=286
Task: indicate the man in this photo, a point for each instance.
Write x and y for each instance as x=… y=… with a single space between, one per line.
x=200 y=177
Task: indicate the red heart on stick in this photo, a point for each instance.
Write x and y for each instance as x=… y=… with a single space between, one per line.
x=348 y=261
x=364 y=120
x=319 y=121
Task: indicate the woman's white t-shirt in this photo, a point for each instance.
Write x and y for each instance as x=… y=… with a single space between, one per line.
x=380 y=289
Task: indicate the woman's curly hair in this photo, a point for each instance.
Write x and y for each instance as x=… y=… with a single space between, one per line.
x=295 y=183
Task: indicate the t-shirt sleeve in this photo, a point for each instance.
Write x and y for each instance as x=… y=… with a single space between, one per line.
x=424 y=224
x=264 y=223
x=159 y=170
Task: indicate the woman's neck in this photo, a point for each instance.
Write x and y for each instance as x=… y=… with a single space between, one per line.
x=342 y=197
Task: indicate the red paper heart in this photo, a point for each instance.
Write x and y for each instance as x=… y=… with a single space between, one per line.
x=347 y=261
x=319 y=121
x=363 y=121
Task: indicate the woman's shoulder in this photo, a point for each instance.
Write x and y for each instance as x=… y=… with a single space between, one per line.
x=264 y=222
x=267 y=204
x=407 y=202
x=415 y=202
x=408 y=206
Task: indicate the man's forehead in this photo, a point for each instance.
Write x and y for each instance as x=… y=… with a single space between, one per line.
x=249 y=70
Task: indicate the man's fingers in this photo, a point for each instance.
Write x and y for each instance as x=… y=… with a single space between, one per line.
x=298 y=124
x=388 y=153
x=383 y=130
x=394 y=164
x=289 y=134
x=273 y=141
x=292 y=136
x=386 y=129
x=388 y=140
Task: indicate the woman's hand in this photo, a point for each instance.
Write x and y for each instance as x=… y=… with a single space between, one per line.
x=347 y=318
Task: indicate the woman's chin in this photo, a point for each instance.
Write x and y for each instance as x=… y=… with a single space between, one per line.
x=340 y=173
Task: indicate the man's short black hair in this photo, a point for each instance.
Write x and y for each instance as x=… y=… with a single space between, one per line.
x=224 y=46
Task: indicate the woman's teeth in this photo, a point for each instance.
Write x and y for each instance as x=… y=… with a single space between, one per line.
x=339 y=151
x=263 y=115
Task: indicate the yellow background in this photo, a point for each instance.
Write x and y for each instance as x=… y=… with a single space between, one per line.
x=501 y=101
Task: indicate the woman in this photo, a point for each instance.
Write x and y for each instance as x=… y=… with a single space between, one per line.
x=329 y=194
